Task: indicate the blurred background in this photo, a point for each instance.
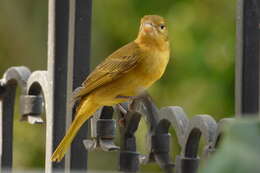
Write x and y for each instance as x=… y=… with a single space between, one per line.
x=199 y=77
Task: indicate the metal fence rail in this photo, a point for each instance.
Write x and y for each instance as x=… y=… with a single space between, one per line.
x=68 y=64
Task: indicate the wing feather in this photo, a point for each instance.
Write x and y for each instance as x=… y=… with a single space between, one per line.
x=112 y=68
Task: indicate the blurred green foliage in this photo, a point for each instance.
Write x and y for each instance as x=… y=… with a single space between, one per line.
x=199 y=77
x=239 y=151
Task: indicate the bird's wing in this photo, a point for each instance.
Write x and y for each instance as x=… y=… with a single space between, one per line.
x=119 y=63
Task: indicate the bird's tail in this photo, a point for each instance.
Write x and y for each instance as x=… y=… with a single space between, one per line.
x=84 y=111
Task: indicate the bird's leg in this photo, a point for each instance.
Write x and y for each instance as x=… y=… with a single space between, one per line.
x=131 y=98
x=122 y=118
x=122 y=109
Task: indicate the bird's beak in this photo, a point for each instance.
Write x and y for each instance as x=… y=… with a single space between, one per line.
x=147 y=27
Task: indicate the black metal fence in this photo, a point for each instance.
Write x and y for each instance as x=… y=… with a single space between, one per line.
x=68 y=64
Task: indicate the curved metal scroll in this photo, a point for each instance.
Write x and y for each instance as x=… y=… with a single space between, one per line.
x=102 y=131
x=38 y=85
x=159 y=143
x=199 y=125
x=37 y=91
x=12 y=77
x=173 y=116
x=189 y=133
x=36 y=94
x=219 y=133
x=16 y=75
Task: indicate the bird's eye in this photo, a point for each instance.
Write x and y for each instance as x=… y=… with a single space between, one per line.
x=162 y=27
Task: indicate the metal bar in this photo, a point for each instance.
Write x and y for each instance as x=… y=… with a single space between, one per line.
x=239 y=53
x=247 y=67
x=257 y=4
x=13 y=77
x=6 y=113
x=80 y=68
x=57 y=76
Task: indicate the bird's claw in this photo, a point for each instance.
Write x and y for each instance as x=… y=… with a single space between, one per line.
x=122 y=122
x=126 y=97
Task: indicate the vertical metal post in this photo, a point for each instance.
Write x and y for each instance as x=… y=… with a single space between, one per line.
x=6 y=132
x=57 y=76
x=247 y=58
x=81 y=61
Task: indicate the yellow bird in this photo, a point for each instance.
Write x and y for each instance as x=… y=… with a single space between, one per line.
x=126 y=73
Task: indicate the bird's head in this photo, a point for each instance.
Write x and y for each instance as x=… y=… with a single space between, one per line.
x=153 y=29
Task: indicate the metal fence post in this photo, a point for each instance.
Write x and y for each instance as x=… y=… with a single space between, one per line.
x=58 y=23
x=247 y=58
x=79 y=60
x=6 y=113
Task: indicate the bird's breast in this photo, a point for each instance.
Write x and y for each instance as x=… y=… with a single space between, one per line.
x=152 y=67
x=149 y=70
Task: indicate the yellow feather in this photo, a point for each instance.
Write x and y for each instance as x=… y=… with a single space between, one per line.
x=84 y=111
x=127 y=72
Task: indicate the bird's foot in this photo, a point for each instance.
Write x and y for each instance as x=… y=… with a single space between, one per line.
x=126 y=97
x=122 y=119
x=122 y=122
x=131 y=101
x=132 y=106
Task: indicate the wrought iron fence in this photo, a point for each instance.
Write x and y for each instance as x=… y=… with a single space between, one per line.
x=68 y=43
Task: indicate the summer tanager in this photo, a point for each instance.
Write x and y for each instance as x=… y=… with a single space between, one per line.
x=124 y=74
